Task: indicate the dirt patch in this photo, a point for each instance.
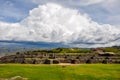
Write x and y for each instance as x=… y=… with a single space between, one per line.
x=14 y=78
x=69 y=64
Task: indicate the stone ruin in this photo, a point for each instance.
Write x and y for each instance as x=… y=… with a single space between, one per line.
x=56 y=58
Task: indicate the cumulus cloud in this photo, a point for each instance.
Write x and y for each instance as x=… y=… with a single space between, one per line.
x=100 y=8
x=57 y=24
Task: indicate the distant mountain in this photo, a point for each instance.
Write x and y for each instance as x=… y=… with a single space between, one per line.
x=10 y=47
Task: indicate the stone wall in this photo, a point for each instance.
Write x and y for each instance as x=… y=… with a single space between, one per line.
x=63 y=58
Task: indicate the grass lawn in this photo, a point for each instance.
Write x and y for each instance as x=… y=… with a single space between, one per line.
x=60 y=72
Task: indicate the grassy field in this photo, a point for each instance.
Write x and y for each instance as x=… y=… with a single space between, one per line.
x=60 y=72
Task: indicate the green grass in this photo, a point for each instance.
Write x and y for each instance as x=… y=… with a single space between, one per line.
x=58 y=72
x=111 y=49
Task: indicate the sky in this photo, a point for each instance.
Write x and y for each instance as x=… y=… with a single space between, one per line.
x=74 y=23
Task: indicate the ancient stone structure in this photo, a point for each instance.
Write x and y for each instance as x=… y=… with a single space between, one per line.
x=56 y=58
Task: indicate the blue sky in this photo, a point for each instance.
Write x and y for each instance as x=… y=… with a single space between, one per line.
x=15 y=10
x=99 y=10
x=75 y=22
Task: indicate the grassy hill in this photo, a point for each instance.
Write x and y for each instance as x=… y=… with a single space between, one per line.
x=60 y=72
x=13 y=50
x=74 y=50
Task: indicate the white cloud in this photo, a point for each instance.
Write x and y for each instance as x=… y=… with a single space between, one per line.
x=54 y=23
x=100 y=8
